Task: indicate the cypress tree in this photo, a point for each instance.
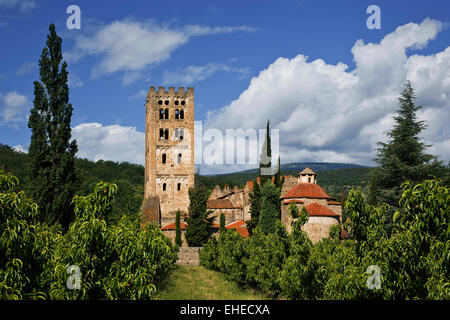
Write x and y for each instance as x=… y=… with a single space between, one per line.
x=51 y=152
x=178 y=240
x=222 y=224
x=403 y=157
x=199 y=217
x=265 y=161
x=255 y=206
x=269 y=208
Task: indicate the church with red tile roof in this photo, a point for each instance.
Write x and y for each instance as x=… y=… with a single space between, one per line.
x=323 y=210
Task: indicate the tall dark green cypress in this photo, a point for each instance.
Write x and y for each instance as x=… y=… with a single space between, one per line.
x=199 y=217
x=178 y=240
x=255 y=206
x=222 y=228
x=265 y=160
x=269 y=207
x=51 y=152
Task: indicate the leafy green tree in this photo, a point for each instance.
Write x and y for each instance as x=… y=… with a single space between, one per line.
x=51 y=152
x=403 y=157
x=292 y=278
x=198 y=221
x=267 y=254
x=209 y=255
x=270 y=212
x=122 y=261
x=178 y=240
x=26 y=246
x=293 y=210
x=365 y=222
x=129 y=201
x=232 y=252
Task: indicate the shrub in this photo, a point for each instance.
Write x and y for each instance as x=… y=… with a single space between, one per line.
x=267 y=254
x=124 y=261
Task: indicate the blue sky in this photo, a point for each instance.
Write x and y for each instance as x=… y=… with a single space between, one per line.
x=248 y=61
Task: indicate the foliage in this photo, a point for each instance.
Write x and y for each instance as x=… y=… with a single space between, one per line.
x=199 y=217
x=365 y=222
x=51 y=152
x=255 y=197
x=178 y=240
x=293 y=210
x=270 y=210
x=292 y=278
x=231 y=254
x=413 y=261
x=335 y=231
x=25 y=244
x=403 y=157
x=222 y=223
x=123 y=261
x=128 y=177
x=266 y=256
x=265 y=159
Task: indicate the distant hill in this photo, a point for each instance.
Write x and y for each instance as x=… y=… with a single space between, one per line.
x=130 y=177
x=331 y=176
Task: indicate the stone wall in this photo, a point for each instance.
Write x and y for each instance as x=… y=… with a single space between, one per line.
x=319 y=227
x=188 y=256
x=171 y=234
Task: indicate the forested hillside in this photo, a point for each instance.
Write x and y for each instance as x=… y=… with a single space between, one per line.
x=332 y=181
x=130 y=177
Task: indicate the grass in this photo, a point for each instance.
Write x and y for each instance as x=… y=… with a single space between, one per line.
x=199 y=283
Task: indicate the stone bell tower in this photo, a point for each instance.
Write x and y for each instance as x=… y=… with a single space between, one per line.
x=307 y=176
x=169 y=153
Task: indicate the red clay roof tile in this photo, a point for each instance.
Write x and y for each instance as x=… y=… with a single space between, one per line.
x=306 y=190
x=171 y=226
x=316 y=209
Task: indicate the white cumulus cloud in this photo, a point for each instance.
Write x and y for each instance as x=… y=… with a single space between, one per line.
x=327 y=112
x=109 y=142
x=13 y=107
x=130 y=46
x=192 y=74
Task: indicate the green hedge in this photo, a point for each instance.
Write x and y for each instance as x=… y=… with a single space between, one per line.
x=411 y=263
x=122 y=261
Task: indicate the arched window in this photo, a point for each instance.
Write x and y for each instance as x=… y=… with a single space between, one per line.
x=166 y=134
x=164 y=186
x=181 y=114
x=161 y=113
x=181 y=134
x=161 y=134
x=176 y=134
x=179 y=158
x=176 y=102
x=166 y=114
x=164 y=158
x=177 y=114
x=178 y=186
